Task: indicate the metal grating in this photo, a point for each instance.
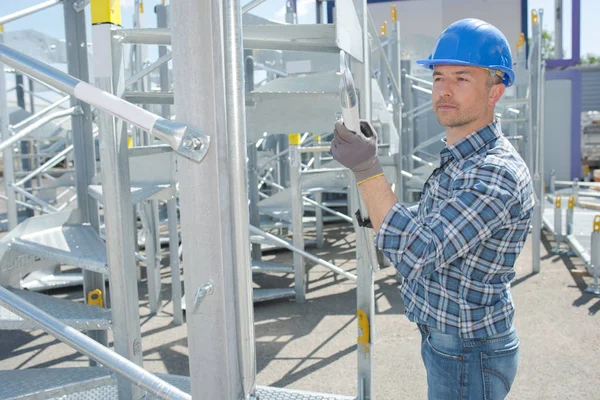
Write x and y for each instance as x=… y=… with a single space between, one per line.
x=51 y=383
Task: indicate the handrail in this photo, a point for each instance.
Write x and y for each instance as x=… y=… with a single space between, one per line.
x=23 y=133
x=186 y=141
x=91 y=348
x=28 y=11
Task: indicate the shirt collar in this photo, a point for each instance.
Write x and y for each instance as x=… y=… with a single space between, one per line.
x=472 y=143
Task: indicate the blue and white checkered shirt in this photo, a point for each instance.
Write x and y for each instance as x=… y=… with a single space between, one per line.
x=457 y=250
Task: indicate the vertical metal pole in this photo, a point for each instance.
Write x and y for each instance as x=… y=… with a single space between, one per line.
x=398 y=106
x=254 y=196
x=162 y=21
x=174 y=261
x=558 y=30
x=552 y=181
x=366 y=260
x=535 y=144
x=118 y=212
x=83 y=141
x=253 y=191
x=209 y=96
x=575 y=191
x=558 y=231
x=319 y=200
x=150 y=210
x=31 y=98
x=297 y=215
x=20 y=90
x=594 y=267
x=8 y=154
x=570 y=215
x=24 y=145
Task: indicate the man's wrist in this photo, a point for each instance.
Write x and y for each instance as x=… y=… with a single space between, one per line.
x=367 y=171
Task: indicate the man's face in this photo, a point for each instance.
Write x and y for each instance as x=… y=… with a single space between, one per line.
x=460 y=95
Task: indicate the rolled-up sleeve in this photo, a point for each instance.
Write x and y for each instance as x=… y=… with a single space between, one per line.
x=482 y=201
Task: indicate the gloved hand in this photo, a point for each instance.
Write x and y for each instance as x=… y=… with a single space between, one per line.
x=357 y=151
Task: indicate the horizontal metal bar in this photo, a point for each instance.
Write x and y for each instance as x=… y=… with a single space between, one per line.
x=311 y=257
x=315 y=149
x=584 y=184
x=28 y=11
x=419 y=80
x=149 y=97
x=91 y=348
x=186 y=141
x=23 y=133
x=47 y=165
x=421 y=89
x=158 y=36
x=155 y=65
x=323 y=170
x=511 y=102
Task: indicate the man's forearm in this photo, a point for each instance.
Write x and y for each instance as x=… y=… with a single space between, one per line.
x=378 y=198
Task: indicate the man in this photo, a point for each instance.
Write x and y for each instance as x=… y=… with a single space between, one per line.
x=457 y=249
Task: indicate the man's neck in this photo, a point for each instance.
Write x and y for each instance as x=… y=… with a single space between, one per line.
x=455 y=134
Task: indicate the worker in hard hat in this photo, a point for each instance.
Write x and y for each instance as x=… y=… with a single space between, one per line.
x=456 y=250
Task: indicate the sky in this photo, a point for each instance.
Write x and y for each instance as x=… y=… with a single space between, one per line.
x=50 y=21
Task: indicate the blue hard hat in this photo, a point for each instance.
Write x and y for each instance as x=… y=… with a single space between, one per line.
x=475 y=43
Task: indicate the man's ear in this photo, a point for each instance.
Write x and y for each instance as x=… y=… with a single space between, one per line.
x=496 y=93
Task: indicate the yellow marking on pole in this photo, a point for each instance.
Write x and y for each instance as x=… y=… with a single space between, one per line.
x=557 y=201
x=394 y=14
x=597 y=223
x=1 y=28
x=521 y=41
x=294 y=139
x=384 y=28
x=141 y=7
x=94 y=298
x=364 y=337
x=106 y=12
x=571 y=202
x=534 y=17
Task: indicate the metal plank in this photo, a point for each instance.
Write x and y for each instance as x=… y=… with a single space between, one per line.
x=77 y=315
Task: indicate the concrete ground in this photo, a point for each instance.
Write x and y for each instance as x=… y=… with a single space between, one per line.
x=311 y=346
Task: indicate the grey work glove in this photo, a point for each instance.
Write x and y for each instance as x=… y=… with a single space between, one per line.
x=357 y=151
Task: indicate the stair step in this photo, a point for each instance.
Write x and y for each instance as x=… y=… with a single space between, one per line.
x=46 y=279
x=77 y=315
x=77 y=245
x=49 y=383
x=260 y=295
x=269 y=266
x=305 y=37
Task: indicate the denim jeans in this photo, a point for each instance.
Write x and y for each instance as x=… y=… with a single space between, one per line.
x=469 y=369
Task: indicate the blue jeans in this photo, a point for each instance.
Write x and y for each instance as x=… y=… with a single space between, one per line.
x=469 y=369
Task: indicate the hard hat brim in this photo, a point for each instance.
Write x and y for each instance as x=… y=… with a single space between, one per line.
x=430 y=63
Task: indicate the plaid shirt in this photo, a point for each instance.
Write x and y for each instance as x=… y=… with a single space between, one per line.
x=457 y=250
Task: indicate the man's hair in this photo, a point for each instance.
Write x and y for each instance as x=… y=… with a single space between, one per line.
x=494 y=80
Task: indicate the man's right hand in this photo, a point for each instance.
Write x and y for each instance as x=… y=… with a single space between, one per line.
x=357 y=151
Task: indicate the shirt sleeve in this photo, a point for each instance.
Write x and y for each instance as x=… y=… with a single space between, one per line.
x=482 y=201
